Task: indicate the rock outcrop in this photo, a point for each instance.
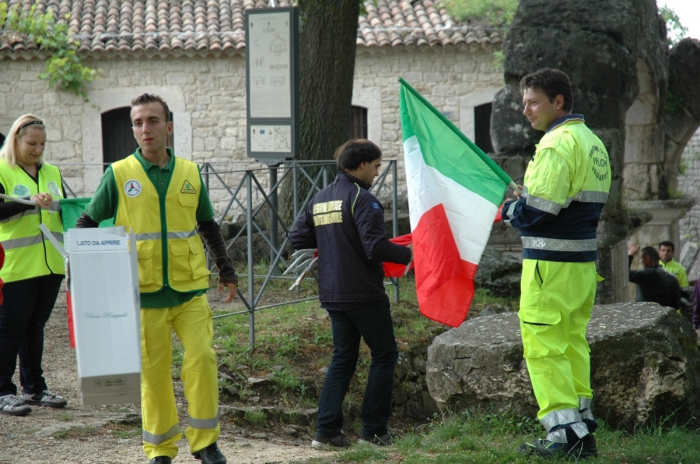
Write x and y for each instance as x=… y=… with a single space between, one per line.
x=608 y=49
x=500 y=273
x=645 y=366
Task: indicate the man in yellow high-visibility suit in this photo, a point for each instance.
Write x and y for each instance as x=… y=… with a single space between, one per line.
x=565 y=188
x=162 y=197
x=666 y=252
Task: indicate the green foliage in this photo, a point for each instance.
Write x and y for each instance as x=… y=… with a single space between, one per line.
x=64 y=68
x=285 y=381
x=497 y=13
x=127 y=432
x=77 y=432
x=674 y=29
x=255 y=418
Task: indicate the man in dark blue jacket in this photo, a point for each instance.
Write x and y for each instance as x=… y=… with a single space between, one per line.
x=346 y=223
x=654 y=283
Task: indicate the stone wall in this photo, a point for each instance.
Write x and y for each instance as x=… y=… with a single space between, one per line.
x=688 y=185
x=207 y=98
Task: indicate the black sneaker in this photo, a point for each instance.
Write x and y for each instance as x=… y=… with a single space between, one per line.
x=161 y=460
x=583 y=448
x=210 y=455
x=45 y=398
x=13 y=405
x=379 y=440
x=327 y=443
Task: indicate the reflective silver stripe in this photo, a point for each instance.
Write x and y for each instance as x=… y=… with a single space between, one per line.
x=149 y=236
x=584 y=196
x=171 y=235
x=560 y=417
x=580 y=428
x=203 y=423
x=55 y=206
x=154 y=439
x=182 y=234
x=558 y=436
x=511 y=210
x=558 y=244
x=584 y=408
x=589 y=196
x=28 y=241
x=29 y=212
x=547 y=206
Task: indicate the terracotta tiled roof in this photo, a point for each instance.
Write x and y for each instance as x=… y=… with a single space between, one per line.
x=417 y=23
x=219 y=25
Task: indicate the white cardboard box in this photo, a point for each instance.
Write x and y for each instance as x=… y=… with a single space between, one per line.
x=104 y=289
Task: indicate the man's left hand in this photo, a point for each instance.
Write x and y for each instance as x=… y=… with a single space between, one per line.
x=232 y=291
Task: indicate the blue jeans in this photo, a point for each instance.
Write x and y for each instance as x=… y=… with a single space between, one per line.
x=26 y=307
x=372 y=322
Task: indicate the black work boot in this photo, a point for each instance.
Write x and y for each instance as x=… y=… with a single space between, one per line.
x=210 y=455
x=575 y=447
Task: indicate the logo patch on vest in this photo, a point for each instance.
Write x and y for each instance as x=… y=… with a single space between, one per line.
x=187 y=188
x=132 y=188
x=20 y=190
x=600 y=163
x=53 y=188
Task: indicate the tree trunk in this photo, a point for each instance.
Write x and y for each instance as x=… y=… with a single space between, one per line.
x=327 y=42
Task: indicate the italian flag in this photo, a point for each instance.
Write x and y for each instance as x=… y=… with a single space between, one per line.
x=454 y=192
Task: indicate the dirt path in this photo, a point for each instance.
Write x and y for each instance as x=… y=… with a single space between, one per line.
x=111 y=434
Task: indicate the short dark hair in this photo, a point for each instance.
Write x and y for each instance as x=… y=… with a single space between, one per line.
x=146 y=98
x=650 y=252
x=668 y=244
x=350 y=155
x=552 y=82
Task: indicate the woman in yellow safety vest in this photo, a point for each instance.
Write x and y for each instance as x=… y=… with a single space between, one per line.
x=33 y=268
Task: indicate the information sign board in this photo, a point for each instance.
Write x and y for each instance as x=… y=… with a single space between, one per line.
x=272 y=84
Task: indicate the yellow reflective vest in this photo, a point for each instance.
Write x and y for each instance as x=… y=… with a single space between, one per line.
x=27 y=253
x=165 y=227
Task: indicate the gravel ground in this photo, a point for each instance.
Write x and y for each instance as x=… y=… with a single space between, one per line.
x=110 y=434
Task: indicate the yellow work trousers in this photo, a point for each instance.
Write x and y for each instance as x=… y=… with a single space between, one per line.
x=192 y=323
x=555 y=308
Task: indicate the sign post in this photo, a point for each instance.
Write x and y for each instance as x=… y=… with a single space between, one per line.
x=272 y=84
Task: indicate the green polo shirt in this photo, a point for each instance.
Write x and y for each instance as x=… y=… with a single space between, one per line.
x=675 y=268
x=104 y=205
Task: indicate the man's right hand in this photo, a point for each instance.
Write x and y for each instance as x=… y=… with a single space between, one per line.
x=632 y=249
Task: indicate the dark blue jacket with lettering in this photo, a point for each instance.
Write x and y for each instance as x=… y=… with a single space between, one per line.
x=346 y=223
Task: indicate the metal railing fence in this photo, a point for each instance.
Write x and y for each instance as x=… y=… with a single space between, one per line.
x=240 y=187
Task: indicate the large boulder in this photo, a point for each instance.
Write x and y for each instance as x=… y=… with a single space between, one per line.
x=500 y=273
x=645 y=365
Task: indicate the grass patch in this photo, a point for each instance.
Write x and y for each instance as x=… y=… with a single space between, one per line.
x=494 y=438
x=126 y=432
x=78 y=433
x=255 y=418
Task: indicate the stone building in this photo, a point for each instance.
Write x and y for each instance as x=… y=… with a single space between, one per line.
x=192 y=53
x=688 y=182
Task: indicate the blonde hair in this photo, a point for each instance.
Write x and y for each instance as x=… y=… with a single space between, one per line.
x=17 y=131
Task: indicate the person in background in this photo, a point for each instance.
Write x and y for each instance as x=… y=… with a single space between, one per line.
x=162 y=197
x=346 y=223
x=653 y=282
x=33 y=270
x=666 y=252
x=696 y=306
x=566 y=187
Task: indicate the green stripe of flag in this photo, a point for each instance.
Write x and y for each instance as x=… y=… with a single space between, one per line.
x=446 y=149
